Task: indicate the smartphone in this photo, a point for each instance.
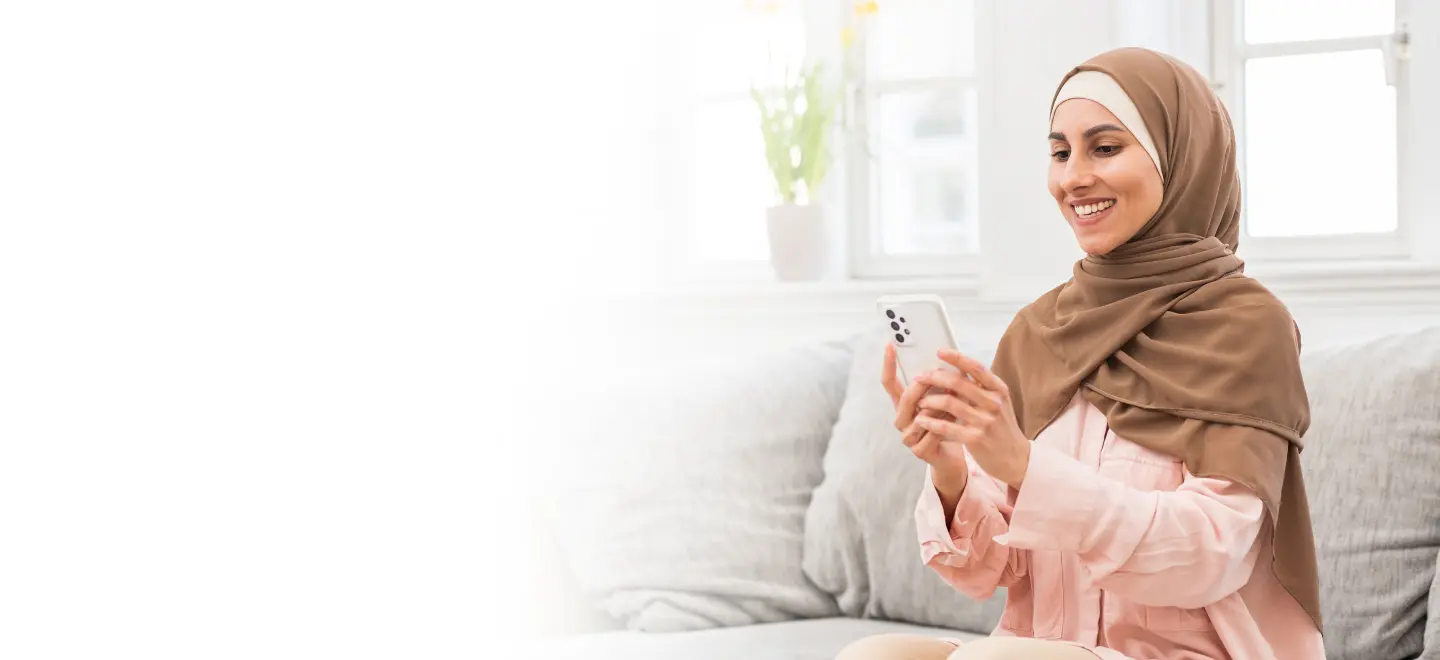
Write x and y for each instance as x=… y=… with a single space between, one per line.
x=919 y=328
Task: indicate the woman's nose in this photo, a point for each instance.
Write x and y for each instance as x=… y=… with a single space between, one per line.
x=1078 y=174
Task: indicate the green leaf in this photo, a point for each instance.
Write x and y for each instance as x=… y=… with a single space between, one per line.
x=796 y=124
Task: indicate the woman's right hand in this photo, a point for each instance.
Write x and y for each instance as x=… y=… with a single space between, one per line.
x=946 y=457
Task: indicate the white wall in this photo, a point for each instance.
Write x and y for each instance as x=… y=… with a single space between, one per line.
x=1017 y=82
x=1418 y=154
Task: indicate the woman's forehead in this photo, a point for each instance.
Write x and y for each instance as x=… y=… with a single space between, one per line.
x=1078 y=115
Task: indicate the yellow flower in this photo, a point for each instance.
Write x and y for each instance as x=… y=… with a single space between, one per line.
x=866 y=8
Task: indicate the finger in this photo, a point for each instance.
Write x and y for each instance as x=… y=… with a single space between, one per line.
x=887 y=375
x=940 y=402
x=906 y=406
x=976 y=369
x=962 y=412
x=951 y=430
x=937 y=414
x=912 y=435
x=957 y=408
x=921 y=412
x=927 y=445
x=962 y=387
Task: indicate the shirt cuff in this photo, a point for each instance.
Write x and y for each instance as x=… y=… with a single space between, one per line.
x=979 y=502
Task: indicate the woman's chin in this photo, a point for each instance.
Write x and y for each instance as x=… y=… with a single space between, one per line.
x=1099 y=236
x=1095 y=243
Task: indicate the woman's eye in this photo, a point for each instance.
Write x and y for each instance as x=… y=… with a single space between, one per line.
x=1107 y=150
x=1061 y=155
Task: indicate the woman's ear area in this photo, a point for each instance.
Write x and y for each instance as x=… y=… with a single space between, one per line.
x=1158 y=176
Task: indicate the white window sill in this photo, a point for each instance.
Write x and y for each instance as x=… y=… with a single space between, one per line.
x=763 y=287
x=1358 y=283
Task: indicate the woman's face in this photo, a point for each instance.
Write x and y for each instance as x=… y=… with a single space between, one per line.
x=1105 y=182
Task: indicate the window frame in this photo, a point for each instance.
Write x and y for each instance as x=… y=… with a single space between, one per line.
x=863 y=92
x=846 y=193
x=678 y=187
x=1229 y=53
x=678 y=107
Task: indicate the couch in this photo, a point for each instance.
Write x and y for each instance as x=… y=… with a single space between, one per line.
x=759 y=509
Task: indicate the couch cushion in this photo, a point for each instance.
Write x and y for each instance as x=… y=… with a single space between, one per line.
x=682 y=499
x=817 y=639
x=1432 y=626
x=860 y=530
x=1370 y=466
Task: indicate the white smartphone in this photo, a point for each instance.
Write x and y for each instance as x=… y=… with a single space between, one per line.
x=918 y=327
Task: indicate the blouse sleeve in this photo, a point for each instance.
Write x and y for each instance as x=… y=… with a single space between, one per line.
x=1184 y=548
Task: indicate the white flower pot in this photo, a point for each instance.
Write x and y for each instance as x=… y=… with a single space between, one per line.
x=799 y=244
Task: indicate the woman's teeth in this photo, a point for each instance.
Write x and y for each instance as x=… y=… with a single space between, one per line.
x=1091 y=209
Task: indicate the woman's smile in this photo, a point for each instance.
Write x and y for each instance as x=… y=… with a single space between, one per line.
x=1090 y=211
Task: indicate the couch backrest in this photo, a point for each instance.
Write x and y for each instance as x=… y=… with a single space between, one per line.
x=1372 y=472
x=1372 y=466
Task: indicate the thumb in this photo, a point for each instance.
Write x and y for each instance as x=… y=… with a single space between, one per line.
x=912 y=435
x=927 y=448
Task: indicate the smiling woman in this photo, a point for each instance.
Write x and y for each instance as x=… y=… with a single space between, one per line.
x=1104 y=171
x=1156 y=392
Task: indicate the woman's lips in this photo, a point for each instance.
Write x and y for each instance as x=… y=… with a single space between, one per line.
x=1088 y=220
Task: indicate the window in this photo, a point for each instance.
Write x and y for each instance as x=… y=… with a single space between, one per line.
x=1291 y=72
x=713 y=172
x=912 y=192
x=903 y=184
x=903 y=177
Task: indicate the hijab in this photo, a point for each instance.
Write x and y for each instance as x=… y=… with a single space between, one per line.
x=1164 y=335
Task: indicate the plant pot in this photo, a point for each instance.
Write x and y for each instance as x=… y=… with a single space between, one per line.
x=799 y=245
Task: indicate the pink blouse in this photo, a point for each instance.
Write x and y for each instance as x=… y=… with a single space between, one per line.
x=1120 y=549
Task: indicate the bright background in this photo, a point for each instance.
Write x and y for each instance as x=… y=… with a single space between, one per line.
x=294 y=295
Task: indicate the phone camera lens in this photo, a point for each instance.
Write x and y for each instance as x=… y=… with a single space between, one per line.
x=890 y=313
x=899 y=338
x=894 y=325
x=907 y=331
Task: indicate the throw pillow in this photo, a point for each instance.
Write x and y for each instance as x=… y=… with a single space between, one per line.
x=860 y=530
x=1370 y=464
x=683 y=501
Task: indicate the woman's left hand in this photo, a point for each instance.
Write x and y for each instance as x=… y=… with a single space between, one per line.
x=984 y=417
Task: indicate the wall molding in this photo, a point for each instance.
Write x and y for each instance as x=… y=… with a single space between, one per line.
x=1333 y=303
x=1332 y=285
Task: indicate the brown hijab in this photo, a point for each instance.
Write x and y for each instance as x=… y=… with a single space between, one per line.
x=1183 y=354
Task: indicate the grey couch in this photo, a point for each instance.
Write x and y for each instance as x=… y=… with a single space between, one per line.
x=763 y=510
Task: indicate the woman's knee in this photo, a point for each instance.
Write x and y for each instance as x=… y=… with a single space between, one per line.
x=897 y=647
x=987 y=648
x=1019 y=648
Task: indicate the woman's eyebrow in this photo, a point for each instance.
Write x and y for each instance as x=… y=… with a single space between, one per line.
x=1090 y=132
x=1101 y=128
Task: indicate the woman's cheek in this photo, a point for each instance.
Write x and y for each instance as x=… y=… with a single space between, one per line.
x=1053 y=182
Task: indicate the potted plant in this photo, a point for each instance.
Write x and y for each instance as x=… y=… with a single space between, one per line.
x=796 y=122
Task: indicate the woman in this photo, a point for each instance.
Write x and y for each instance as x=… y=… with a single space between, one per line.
x=1129 y=471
